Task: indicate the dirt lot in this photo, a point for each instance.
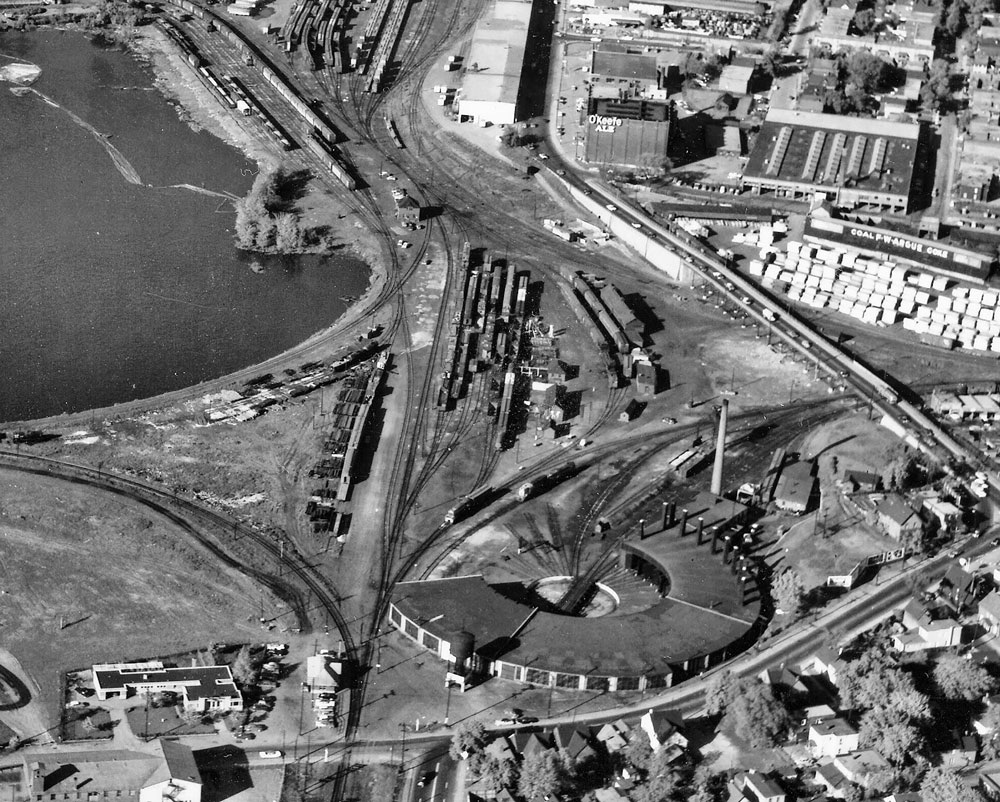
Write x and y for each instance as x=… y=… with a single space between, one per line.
x=88 y=577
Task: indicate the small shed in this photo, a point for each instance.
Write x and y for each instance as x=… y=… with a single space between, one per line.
x=632 y=411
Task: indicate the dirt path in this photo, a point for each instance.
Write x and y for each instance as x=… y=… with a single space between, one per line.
x=28 y=721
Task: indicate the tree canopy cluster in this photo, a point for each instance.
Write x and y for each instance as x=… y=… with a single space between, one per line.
x=261 y=220
x=893 y=710
x=749 y=707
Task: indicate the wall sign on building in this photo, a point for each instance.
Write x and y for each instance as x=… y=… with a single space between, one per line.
x=603 y=124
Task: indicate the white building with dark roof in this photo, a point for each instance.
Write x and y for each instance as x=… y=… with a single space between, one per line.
x=203 y=688
x=491 y=86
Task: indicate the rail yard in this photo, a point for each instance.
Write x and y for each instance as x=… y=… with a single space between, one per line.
x=565 y=472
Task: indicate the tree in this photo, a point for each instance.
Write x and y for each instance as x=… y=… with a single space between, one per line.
x=245 y=668
x=789 y=593
x=748 y=706
x=288 y=232
x=498 y=773
x=957 y=678
x=936 y=91
x=891 y=734
x=543 y=774
x=468 y=738
x=868 y=72
x=713 y=68
x=875 y=681
x=946 y=786
x=246 y=224
x=638 y=751
x=991 y=742
x=865 y=21
x=510 y=138
x=953 y=18
x=771 y=62
x=266 y=230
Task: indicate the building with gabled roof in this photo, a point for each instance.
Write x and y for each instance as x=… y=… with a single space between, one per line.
x=928 y=627
x=989 y=611
x=832 y=736
x=752 y=786
x=897 y=518
x=663 y=727
x=796 y=487
x=163 y=771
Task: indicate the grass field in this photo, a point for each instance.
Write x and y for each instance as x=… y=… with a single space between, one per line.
x=89 y=577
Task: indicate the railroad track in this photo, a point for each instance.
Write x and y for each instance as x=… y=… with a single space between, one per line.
x=194 y=518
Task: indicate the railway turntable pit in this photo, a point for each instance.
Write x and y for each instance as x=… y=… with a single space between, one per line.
x=666 y=608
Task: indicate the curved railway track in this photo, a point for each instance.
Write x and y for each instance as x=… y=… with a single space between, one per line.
x=194 y=519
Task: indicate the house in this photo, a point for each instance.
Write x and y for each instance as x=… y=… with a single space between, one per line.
x=989 y=612
x=928 y=627
x=408 y=211
x=176 y=778
x=203 y=688
x=959 y=587
x=831 y=779
x=907 y=797
x=163 y=770
x=949 y=515
x=859 y=767
x=609 y=795
x=556 y=371
x=663 y=728
x=614 y=736
x=832 y=737
x=897 y=518
x=754 y=787
x=573 y=741
x=825 y=662
x=862 y=481
x=795 y=488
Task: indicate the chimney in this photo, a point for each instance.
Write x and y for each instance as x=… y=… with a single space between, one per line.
x=684 y=522
x=720 y=448
x=664 y=520
x=701 y=528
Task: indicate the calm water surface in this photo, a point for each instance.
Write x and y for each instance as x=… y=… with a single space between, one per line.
x=111 y=291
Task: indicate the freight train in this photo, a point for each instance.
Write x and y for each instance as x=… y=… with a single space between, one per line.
x=329 y=135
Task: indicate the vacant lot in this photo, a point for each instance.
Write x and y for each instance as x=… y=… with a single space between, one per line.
x=88 y=577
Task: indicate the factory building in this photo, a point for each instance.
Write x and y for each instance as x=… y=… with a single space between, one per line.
x=615 y=141
x=491 y=86
x=850 y=161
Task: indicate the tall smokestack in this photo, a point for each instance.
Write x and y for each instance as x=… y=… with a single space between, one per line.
x=720 y=448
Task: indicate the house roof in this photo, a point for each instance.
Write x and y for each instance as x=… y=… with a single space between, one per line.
x=895 y=508
x=795 y=484
x=834 y=726
x=862 y=477
x=180 y=761
x=991 y=605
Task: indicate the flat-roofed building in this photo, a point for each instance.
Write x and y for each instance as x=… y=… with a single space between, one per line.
x=203 y=688
x=491 y=87
x=795 y=488
x=851 y=161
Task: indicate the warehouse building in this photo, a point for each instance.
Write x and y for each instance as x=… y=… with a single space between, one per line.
x=615 y=140
x=878 y=243
x=850 y=161
x=491 y=86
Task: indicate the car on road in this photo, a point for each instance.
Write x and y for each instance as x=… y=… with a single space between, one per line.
x=560 y=172
x=271 y=754
x=636 y=225
x=611 y=207
x=425 y=778
x=995 y=542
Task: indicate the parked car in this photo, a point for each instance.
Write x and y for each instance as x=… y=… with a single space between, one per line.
x=271 y=754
